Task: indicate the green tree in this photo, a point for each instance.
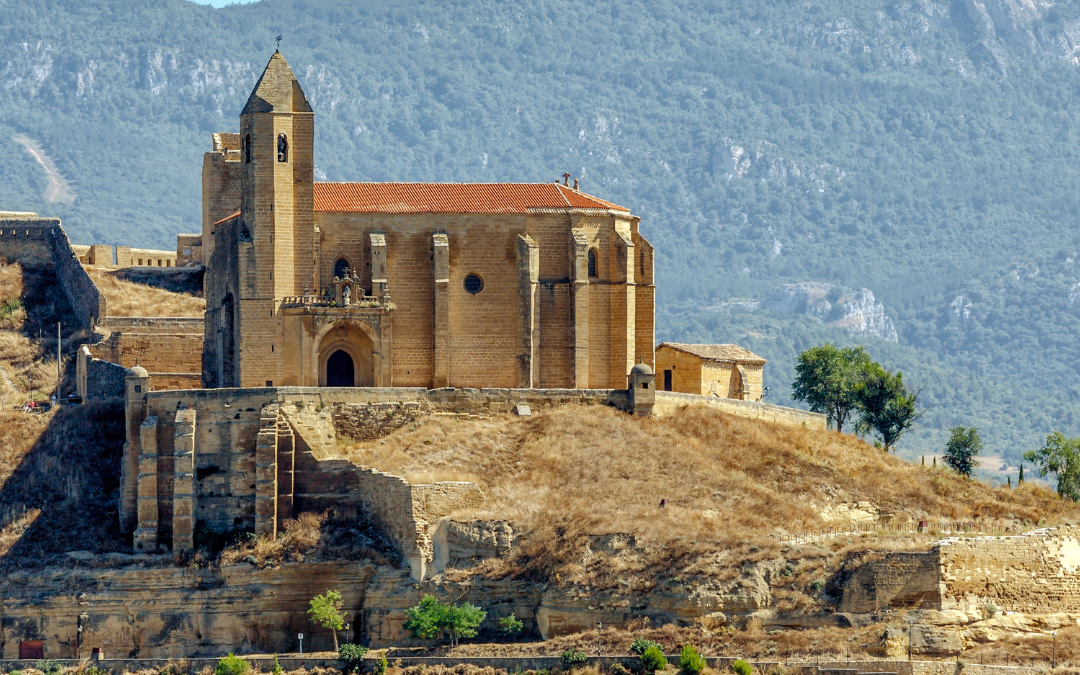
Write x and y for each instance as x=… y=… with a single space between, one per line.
x=432 y=617
x=325 y=610
x=690 y=662
x=653 y=660
x=963 y=447
x=1061 y=457
x=511 y=625
x=886 y=405
x=827 y=379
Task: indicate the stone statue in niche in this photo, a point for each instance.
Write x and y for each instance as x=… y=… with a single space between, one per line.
x=345 y=294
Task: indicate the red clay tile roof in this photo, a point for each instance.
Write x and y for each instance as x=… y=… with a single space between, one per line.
x=451 y=198
x=227 y=218
x=729 y=353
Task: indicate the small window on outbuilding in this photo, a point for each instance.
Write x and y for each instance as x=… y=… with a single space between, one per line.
x=474 y=283
x=341 y=268
x=247 y=149
x=594 y=263
x=282 y=148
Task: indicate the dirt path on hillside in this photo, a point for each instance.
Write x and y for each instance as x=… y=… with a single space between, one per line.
x=59 y=189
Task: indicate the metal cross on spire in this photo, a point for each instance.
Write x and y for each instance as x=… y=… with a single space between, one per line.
x=278 y=41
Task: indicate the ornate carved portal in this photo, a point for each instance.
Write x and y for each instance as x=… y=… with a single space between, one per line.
x=346 y=357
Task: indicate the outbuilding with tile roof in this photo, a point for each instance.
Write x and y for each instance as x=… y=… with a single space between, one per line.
x=727 y=371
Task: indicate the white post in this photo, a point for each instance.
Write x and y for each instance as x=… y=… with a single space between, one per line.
x=301 y=636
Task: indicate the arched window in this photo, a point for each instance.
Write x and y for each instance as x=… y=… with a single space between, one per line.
x=594 y=263
x=282 y=148
x=341 y=268
x=247 y=149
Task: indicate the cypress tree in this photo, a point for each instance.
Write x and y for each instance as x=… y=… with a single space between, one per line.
x=1010 y=481
x=1021 y=479
x=924 y=460
x=935 y=462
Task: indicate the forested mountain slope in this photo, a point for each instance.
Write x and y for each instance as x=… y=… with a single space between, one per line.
x=923 y=150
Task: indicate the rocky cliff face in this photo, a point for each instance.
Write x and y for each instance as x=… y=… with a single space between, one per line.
x=856 y=311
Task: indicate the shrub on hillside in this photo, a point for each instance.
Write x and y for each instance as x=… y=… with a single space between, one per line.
x=653 y=660
x=690 y=662
x=639 y=645
x=232 y=665
x=353 y=656
x=573 y=658
x=510 y=625
x=741 y=667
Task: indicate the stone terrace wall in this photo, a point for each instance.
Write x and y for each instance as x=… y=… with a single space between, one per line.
x=373 y=413
x=668 y=402
x=1037 y=572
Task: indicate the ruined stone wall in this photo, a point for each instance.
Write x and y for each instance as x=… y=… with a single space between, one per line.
x=901 y=580
x=1037 y=572
x=42 y=242
x=668 y=402
x=96 y=378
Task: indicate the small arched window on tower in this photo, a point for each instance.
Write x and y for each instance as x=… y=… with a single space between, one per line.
x=341 y=268
x=247 y=149
x=594 y=263
x=282 y=148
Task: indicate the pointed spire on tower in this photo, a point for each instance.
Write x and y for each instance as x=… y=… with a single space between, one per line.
x=277 y=90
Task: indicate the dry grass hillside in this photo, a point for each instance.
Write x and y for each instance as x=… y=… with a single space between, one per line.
x=59 y=476
x=729 y=485
x=137 y=293
x=31 y=304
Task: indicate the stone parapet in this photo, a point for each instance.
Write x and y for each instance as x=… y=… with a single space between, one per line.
x=668 y=402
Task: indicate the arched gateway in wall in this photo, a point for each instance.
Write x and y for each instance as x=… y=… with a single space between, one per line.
x=346 y=357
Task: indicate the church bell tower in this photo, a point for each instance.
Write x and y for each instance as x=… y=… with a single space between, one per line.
x=276 y=240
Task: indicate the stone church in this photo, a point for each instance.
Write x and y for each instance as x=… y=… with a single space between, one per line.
x=525 y=285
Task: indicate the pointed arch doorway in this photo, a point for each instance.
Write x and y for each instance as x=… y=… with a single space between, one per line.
x=346 y=358
x=340 y=370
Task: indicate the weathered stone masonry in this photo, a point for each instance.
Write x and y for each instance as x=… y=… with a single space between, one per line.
x=1037 y=572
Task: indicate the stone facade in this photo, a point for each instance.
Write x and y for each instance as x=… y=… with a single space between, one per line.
x=420 y=285
x=726 y=371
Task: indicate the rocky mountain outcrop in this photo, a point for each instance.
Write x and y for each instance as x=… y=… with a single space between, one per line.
x=856 y=311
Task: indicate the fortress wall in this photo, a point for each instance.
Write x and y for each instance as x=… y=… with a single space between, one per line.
x=164 y=356
x=1037 y=572
x=27 y=241
x=42 y=242
x=96 y=378
x=668 y=402
x=170 y=348
x=155 y=324
x=81 y=291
